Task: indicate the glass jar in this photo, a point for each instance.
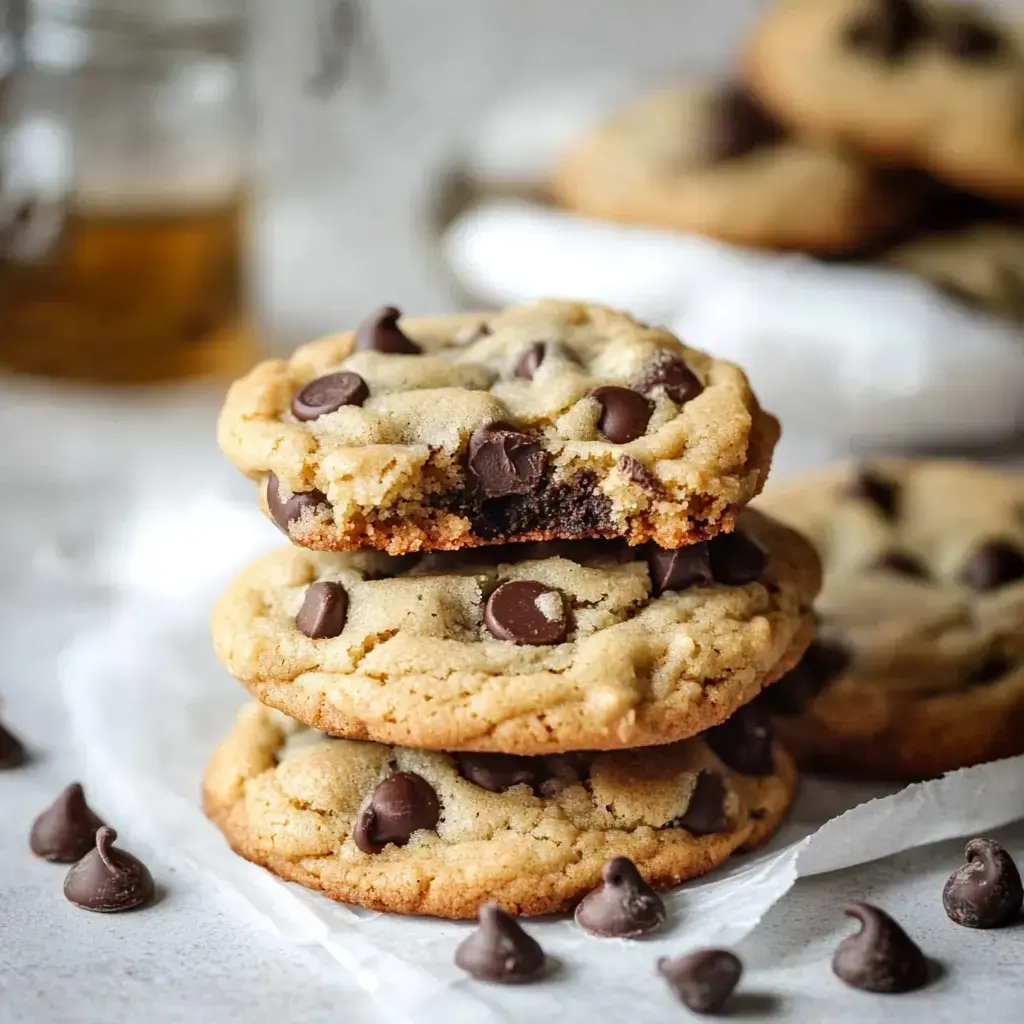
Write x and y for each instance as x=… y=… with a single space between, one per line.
x=124 y=132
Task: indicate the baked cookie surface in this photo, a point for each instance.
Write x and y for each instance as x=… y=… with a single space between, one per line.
x=707 y=159
x=554 y=421
x=418 y=832
x=920 y=666
x=934 y=86
x=524 y=649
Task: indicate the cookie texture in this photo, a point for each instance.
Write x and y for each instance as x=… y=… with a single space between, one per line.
x=298 y=803
x=707 y=159
x=442 y=651
x=924 y=598
x=937 y=87
x=554 y=421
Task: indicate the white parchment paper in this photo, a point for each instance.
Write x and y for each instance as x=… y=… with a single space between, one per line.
x=148 y=703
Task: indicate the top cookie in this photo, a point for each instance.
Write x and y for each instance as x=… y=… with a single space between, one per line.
x=554 y=421
x=708 y=159
x=913 y=83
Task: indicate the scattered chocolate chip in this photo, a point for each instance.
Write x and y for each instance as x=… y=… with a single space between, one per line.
x=526 y=612
x=623 y=906
x=673 y=376
x=323 y=611
x=738 y=125
x=284 y=512
x=679 y=568
x=993 y=565
x=498 y=772
x=530 y=360
x=380 y=332
x=882 y=493
x=66 y=830
x=790 y=695
x=639 y=474
x=399 y=806
x=12 y=750
x=744 y=741
x=705 y=814
x=991 y=670
x=625 y=413
x=736 y=559
x=503 y=460
x=966 y=37
x=887 y=30
x=985 y=892
x=108 y=880
x=903 y=564
x=328 y=394
x=499 y=949
x=881 y=957
x=702 y=980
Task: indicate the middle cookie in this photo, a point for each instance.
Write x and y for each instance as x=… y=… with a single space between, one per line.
x=525 y=649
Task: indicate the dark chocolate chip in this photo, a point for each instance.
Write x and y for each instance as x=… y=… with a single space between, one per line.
x=736 y=559
x=869 y=486
x=823 y=662
x=512 y=613
x=966 y=37
x=286 y=512
x=881 y=957
x=744 y=741
x=903 y=564
x=625 y=413
x=503 y=460
x=673 y=376
x=639 y=474
x=66 y=830
x=991 y=670
x=328 y=394
x=702 y=980
x=498 y=772
x=499 y=949
x=679 y=568
x=887 y=30
x=530 y=360
x=738 y=125
x=108 y=880
x=985 y=892
x=399 y=806
x=323 y=611
x=993 y=565
x=380 y=332
x=623 y=906
x=705 y=814
x=12 y=750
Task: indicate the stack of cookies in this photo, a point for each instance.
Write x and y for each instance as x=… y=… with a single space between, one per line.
x=522 y=618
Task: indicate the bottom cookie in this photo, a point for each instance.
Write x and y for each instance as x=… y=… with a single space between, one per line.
x=422 y=832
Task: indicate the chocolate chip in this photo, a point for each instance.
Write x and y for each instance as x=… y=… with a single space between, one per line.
x=530 y=360
x=108 y=880
x=882 y=493
x=503 y=460
x=625 y=413
x=702 y=980
x=887 y=30
x=286 y=512
x=881 y=957
x=498 y=772
x=500 y=950
x=399 y=806
x=679 y=568
x=705 y=814
x=328 y=394
x=380 y=332
x=623 y=906
x=323 y=611
x=993 y=565
x=736 y=559
x=966 y=37
x=986 y=892
x=66 y=830
x=12 y=751
x=526 y=612
x=474 y=332
x=738 y=125
x=673 y=376
x=639 y=474
x=744 y=741
x=790 y=695
x=903 y=564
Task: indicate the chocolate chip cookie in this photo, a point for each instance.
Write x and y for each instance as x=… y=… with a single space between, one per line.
x=919 y=667
x=419 y=832
x=554 y=421
x=708 y=159
x=525 y=649
x=938 y=87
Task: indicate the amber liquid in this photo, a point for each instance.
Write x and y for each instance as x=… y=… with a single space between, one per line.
x=129 y=296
